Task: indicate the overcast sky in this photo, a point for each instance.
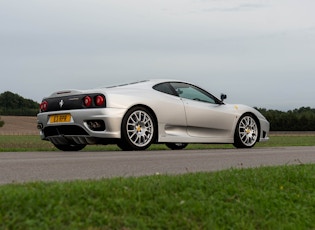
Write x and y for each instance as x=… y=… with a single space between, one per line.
x=259 y=52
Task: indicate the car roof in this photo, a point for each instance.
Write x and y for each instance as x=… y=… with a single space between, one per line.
x=144 y=83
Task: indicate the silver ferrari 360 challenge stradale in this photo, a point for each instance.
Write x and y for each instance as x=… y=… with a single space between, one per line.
x=135 y=115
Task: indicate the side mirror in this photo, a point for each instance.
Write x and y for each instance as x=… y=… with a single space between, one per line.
x=223 y=97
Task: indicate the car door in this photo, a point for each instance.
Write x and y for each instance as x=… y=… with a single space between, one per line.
x=171 y=113
x=206 y=116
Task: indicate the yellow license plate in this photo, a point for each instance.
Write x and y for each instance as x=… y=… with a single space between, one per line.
x=60 y=118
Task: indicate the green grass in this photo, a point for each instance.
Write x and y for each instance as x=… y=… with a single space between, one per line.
x=34 y=143
x=263 y=198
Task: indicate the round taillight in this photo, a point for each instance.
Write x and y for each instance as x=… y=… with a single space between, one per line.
x=43 y=106
x=87 y=101
x=99 y=100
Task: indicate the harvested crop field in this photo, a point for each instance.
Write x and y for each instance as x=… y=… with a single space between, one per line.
x=19 y=125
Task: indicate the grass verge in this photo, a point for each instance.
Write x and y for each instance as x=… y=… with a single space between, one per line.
x=263 y=198
x=17 y=143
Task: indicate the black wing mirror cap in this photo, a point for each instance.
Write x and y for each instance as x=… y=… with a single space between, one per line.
x=223 y=97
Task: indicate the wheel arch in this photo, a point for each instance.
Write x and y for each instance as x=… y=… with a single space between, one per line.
x=152 y=113
x=255 y=118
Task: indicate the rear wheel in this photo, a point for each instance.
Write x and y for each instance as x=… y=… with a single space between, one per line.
x=176 y=146
x=138 y=129
x=246 y=133
x=67 y=148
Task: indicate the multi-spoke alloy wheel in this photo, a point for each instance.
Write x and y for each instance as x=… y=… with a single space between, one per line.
x=176 y=146
x=246 y=133
x=137 y=130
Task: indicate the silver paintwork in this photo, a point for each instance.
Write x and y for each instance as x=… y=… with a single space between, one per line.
x=179 y=120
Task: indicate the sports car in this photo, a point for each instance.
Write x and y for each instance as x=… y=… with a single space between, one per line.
x=138 y=114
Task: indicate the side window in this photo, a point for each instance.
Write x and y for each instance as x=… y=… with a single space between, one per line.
x=192 y=92
x=165 y=88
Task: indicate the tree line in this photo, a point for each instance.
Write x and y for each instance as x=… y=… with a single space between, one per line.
x=12 y=104
x=302 y=119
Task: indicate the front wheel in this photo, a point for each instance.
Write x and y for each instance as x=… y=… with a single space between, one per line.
x=246 y=133
x=176 y=146
x=68 y=148
x=138 y=129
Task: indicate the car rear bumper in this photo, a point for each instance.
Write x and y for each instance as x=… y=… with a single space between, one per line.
x=86 y=126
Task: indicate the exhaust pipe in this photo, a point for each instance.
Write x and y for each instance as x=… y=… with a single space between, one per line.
x=40 y=126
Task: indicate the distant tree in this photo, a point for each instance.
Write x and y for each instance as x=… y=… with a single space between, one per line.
x=15 y=105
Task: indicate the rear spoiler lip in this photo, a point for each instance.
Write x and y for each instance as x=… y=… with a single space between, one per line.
x=66 y=92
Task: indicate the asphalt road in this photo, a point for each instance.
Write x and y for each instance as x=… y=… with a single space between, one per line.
x=16 y=167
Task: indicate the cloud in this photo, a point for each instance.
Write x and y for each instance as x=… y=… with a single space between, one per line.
x=223 y=45
x=236 y=8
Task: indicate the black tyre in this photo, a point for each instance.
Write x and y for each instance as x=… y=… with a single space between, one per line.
x=176 y=146
x=67 y=148
x=247 y=132
x=138 y=129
